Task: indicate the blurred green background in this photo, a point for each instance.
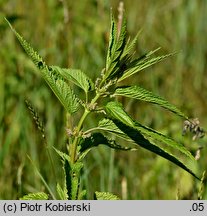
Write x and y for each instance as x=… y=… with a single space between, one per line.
x=75 y=34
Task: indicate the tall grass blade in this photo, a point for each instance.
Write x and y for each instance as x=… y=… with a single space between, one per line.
x=42 y=179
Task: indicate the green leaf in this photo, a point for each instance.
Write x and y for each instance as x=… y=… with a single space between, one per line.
x=76 y=76
x=130 y=45
x=137 y=133
x=115 y=110
x=112 y=41
x=72 y=179
x=66 y=192
x=35 y=196
x=149 y=132
x=76 y=169
x=138 y=138
x=63 y=155
x=62 y=193
x=139 y=93
x=121 y=41
x=117 y=43
x=82 y=195
x=105 y=196
x=142 y=63
x=63 y=92
x=108 y=125
x=35 y=57
x=97 y=139
x=68 y=179
x=202 y=186
x=119 y=63
x=82 y=155
x=56 y=82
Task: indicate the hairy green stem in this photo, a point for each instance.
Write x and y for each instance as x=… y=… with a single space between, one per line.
x=75 y=142
x=74 y=145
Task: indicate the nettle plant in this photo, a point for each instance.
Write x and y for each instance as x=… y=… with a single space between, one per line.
x=100 y=97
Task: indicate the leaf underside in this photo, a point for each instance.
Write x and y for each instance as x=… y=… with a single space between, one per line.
x=138 y=138
x=99 y=139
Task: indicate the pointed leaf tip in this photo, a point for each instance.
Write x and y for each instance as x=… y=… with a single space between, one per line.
x=54 y=79
x=138 y=134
